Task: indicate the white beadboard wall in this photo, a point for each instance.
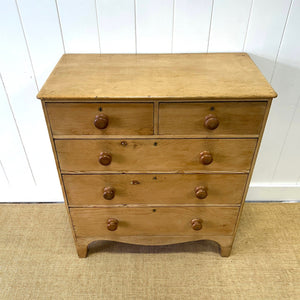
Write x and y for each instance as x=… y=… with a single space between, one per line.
x=34 y=34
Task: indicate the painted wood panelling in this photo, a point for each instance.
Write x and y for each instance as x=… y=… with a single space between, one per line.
x=265 y=31
x=34 y=34
x=20 y=84
x=191 y=25
x=117 y=26
x=287 y=167
x=265 y=192
x=287 y=79
x=3 y=177
x=79 y=25
x=14 y=164
x=281 y=110
x=42 y=33
x=229 y=25
x=154 y=26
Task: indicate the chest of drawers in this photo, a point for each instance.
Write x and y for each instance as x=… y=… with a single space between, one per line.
x=155 y=149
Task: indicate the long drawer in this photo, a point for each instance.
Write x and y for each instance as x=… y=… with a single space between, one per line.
x=158 y=221
x=169 y=155
x=154 y=189
x=116 y=118
x=211 y=118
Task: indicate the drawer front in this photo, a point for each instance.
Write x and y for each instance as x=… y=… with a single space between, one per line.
x=121 y=118
x=231 y=118
x=171 y=155
x=159 y=221
x=154 y=189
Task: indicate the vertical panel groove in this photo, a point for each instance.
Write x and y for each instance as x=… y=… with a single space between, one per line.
x=211 y=16
x=5 y=175
x=135 y=33
x=98 y=29
x=280 y=43
x=154 y=34
x=18 y=130
x=173 y=21
x=26 y=43
x=247 y=28
x=60 y=27
x=117 y=22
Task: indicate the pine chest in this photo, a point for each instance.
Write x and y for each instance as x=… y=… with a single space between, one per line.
x=155 y=149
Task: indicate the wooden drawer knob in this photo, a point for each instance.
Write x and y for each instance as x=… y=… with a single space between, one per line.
x=197 y=224
x=206 y=157
x=201 y=192
x=101 y=121
x=112 y=224
x=105 y=158
x=211 y=122
x=108 y=193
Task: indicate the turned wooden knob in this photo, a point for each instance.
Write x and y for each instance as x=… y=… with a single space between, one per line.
x=211 y=122
x=108 y=193
x=197 y=224
x=105 y=158
x=101 y=121
x=206 y=157
x=112 y=224
x=201 y=192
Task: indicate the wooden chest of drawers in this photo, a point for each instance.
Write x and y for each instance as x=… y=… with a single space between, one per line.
x=155 y=149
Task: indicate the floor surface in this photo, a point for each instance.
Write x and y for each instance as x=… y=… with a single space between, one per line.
x=38 y=260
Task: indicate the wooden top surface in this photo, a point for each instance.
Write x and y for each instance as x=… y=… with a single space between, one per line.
x=156 y=76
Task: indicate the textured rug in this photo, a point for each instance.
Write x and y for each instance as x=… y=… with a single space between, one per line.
x=38 y=260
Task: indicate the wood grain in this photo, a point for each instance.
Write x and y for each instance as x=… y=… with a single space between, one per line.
x=155 y=155
x=253 y=164
x=78 y=118
x=153 y=136
x=58 y=168
x=154 y=240
x=163 y=221
x=224 y=241
x=164 y=76
x=175 y=140
x=239 y=118
x=151 y=100
x=154 y=188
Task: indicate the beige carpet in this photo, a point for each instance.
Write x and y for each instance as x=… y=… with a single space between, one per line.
x=38 y=260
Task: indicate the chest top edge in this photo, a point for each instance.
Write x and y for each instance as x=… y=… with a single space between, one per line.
x=152 y=100
x=156 y=76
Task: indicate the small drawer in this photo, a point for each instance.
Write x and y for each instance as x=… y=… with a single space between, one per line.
x=211 y=118
x=100 y=118
x=173 y=189
x=159 y=155
x=157 y=221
